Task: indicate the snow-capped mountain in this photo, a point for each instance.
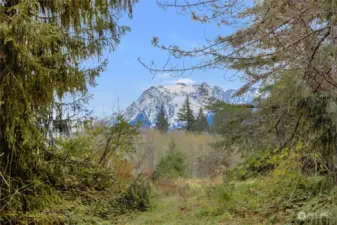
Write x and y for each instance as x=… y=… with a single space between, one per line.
x=172 y=97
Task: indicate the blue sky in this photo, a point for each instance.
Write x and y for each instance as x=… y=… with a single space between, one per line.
x=125 y=78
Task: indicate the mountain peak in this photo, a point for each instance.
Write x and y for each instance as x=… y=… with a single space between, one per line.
x=172 y=97
x=181 y=84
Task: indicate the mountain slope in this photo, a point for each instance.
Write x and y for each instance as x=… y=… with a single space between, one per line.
x=172 y=97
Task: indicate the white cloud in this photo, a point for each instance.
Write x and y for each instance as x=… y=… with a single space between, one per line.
x=186 y=81
x=166 y=78
x=169 y=82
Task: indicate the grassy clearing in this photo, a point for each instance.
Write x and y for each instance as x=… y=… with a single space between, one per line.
x=177 y=208
x=201 y=205
x=260 y=201
x=198 y=205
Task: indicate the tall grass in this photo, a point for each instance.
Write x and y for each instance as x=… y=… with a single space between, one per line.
x=202 y=159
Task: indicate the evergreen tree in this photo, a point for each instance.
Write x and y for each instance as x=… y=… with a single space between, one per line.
x=161 y=120
x=173 y=165
x=185 y=115
x=42 y=47
x=201 y=123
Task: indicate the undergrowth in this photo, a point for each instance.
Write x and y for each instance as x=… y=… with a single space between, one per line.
x=273 y=187
x=80 y=182
x=281 y=194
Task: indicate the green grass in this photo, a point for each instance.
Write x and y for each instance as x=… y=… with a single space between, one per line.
x=166 y=210
x=200 y=207
x=250 y=202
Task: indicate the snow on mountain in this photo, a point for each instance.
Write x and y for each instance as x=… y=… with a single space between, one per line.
x=172 y=97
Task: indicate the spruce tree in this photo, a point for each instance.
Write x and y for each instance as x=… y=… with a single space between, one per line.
x=185 y=115
x=201 y=123
x=173 y=165
x=43 y=45
x=161 y=120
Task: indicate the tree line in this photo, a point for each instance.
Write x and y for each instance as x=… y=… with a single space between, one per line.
x=186 y=116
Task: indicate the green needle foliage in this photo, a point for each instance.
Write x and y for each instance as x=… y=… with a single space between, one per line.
x=161 y=120
x=42 y=47
x=201 y=123
x=173 y=165
x=185 y=114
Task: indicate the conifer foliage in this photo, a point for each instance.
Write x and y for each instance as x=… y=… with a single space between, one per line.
x=201 y=123
x=42 y=46
x=173 y=165
x=161 y=120
x=185 y=115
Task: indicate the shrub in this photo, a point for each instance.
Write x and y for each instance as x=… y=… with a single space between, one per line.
x=136 y=198
x=173 y=165
x=82 y=182
x=279 y=192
